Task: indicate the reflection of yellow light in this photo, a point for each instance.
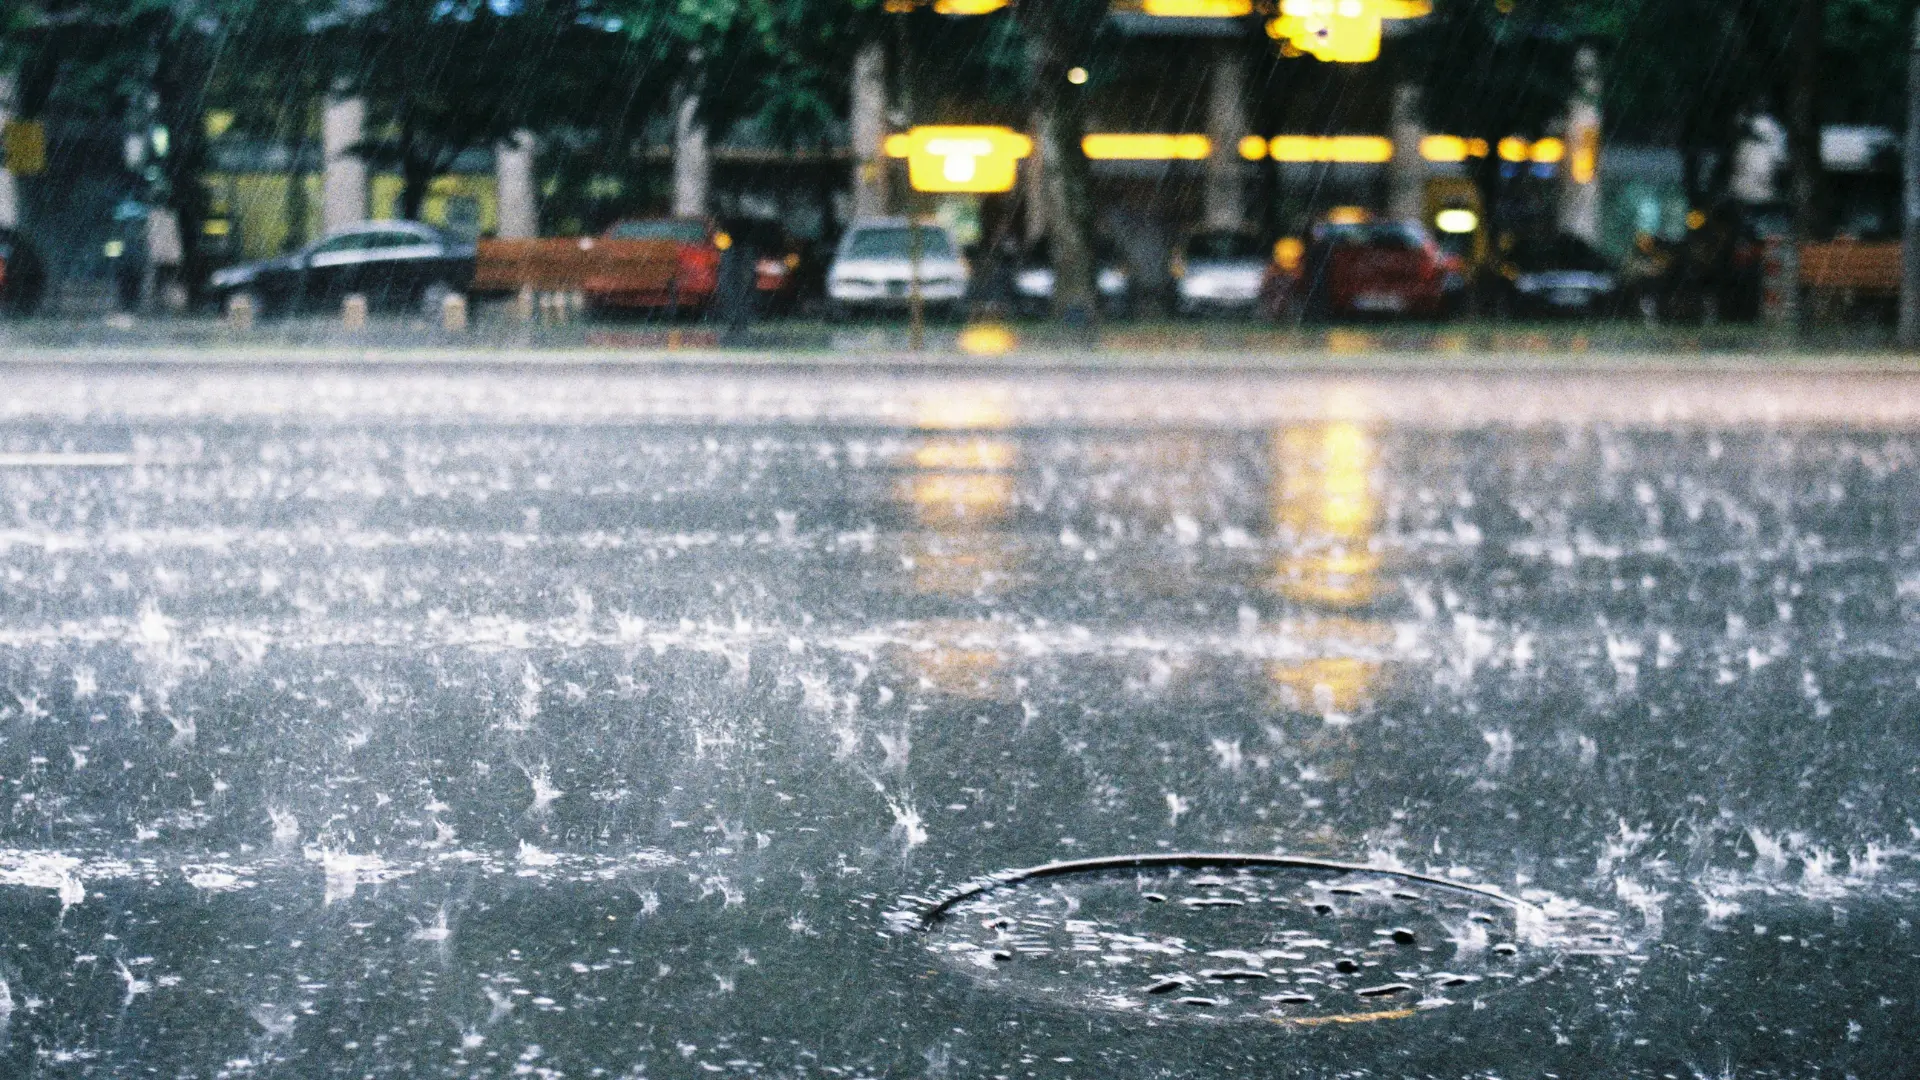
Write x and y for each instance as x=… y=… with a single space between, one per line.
x=1456 y=221
x=1077 y=76
x=1350 y=342
x=1340 y=31
x=1287 y=253
x=1367 y=149
x=1513 y=149
x=960 y=158
x=1349 y=215
x=952 y=499
x=1253 y=147
x=1548 y=151
x=956 y=656
x=1336 y=683
x=967 y=7
x=1323 y=505
x=962 y=410
x=982 y=455
x=1198 y=9
x=987 y=339
x=1119 y=147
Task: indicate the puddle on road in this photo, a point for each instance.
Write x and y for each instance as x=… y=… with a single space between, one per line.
x=1299 y=942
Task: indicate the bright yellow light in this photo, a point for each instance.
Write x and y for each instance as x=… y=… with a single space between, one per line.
x=1118 y=147
x=1586 y=154
x=1340 y=31
x=217 y=121
x=1443 y=148
x=967 y=7
x=1456 y=221
x=1198 y=9
x=216 y=227
x=1367 y=149
x=1253 y=147
x=1287 y=253
x=114 y=249
x=1514 y=149
x=1548 y=151
x=1077 y=76
x=1696 y=219
x=956 y=158
x=1348 y=215
x=723 y=241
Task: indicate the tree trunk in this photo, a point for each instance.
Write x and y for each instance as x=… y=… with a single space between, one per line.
x=1803 y=119
x=416 y=171
x=1061 y=114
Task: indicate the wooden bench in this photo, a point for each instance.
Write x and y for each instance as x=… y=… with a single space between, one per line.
x=1849 y=266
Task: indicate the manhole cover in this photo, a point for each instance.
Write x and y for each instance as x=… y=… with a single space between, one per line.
x=1296 y=941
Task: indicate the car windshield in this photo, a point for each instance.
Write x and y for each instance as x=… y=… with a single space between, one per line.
x=681 y=230
x=1560 y=253
x=894 y=242
x=1225 y=245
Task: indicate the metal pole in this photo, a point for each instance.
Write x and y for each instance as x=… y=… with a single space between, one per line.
x=916 y=303
x=1909 y=332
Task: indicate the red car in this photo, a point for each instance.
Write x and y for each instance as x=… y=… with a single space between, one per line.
x=695 y=277
x=1369 y=269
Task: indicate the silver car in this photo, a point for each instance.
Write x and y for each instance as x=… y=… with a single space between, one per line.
x=1218 y=271
x=873 y=268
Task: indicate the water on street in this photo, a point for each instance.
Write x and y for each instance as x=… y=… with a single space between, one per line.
x=596 y=722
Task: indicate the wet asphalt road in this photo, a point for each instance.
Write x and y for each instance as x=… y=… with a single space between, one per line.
x=612 y=723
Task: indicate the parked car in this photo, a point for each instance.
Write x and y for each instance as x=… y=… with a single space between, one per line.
x=1218 y=271
x=873 y=269
x=392 y=263
x=777 y=260
x=23 y=277
x=1559 y=275
x=1376 y=268
x=1033 y=283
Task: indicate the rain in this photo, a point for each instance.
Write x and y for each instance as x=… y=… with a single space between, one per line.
x=993 y=539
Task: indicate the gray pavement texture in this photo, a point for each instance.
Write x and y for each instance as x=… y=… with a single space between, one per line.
x=413 y=720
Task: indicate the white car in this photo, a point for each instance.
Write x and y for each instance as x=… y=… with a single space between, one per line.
x=873 y=268
x=1218 y=271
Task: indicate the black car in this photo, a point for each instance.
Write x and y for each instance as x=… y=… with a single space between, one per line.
x=1559 y=275
x=23 y=277
x=1033 y=283
x=392 y=263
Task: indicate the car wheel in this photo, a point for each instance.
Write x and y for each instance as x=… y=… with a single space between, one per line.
x=432 y=299
x=252 y=298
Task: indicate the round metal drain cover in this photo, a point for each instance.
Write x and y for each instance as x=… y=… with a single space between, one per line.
x=1296 y=941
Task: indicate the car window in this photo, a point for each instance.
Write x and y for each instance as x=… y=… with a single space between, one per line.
x=396 y=239
x=1220 y=245
x=676 y=229
x=893 y=242
x=346 y=242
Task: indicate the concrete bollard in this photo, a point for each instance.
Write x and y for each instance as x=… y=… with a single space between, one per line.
x=453 y=313
x=353 y=311
x=524 y=304
x=240 y=311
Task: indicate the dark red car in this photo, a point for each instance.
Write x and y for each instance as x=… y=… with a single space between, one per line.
x=1375 y=268
x=698 y=246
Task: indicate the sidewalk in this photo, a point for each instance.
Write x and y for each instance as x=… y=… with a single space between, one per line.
x=1224 y=346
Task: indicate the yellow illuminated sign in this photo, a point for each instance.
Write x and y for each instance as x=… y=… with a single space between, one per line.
x=960 y=158
x=1198 y=9
x=1366 y=149
x=1340 y=31
x=968 y=7
x=1147 y=147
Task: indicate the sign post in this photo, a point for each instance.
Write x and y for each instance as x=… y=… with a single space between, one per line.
x=951 y=158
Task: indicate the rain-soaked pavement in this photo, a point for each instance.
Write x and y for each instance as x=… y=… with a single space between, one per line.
x=594 y=722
